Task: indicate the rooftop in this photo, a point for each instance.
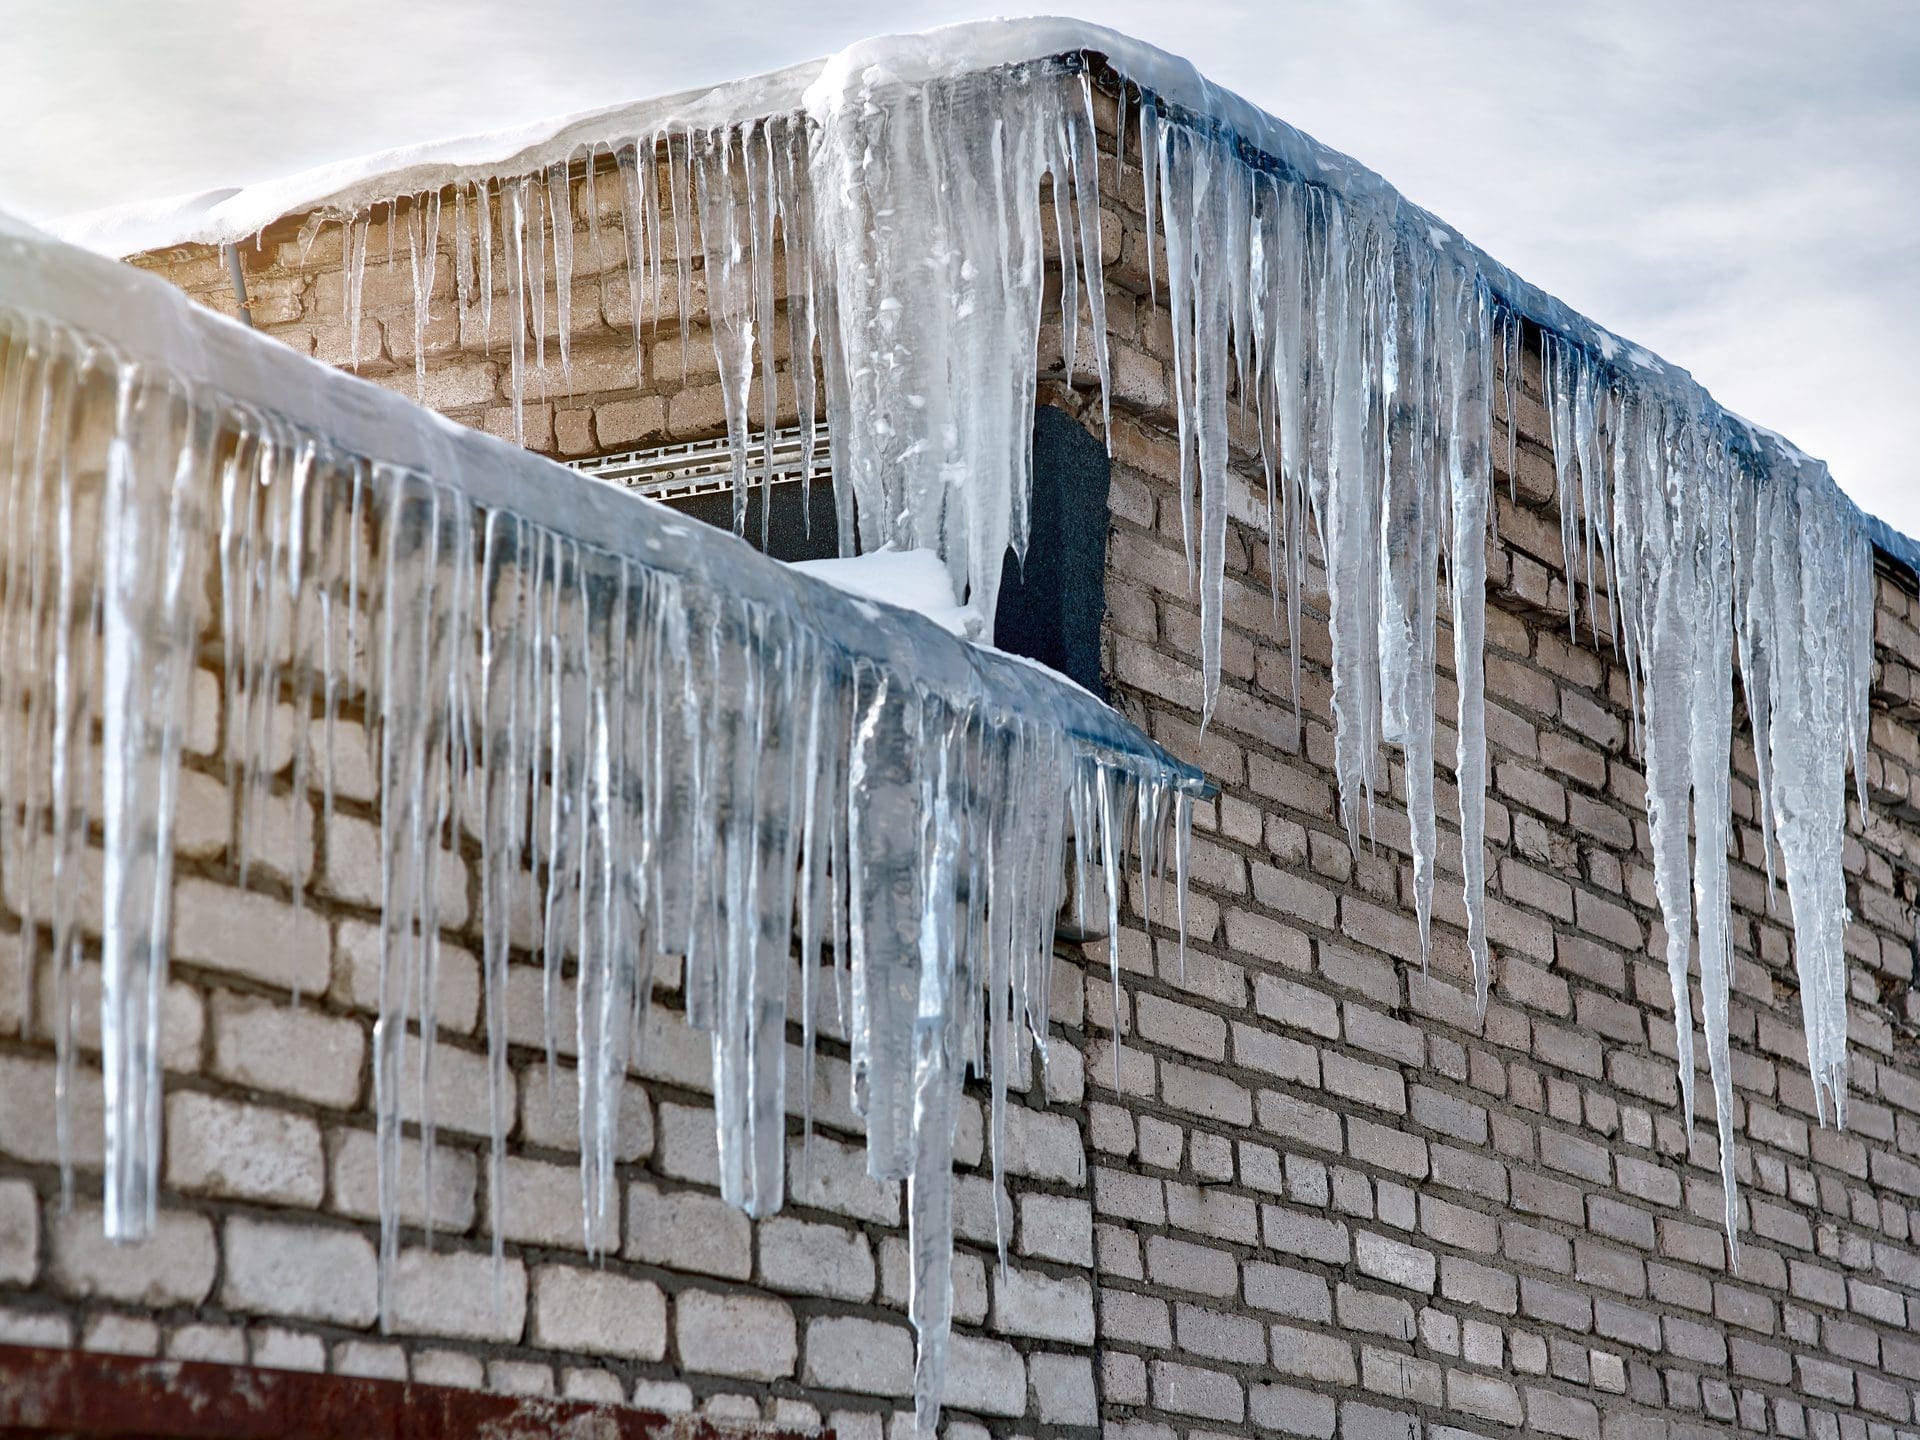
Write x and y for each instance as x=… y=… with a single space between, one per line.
x=229 y=215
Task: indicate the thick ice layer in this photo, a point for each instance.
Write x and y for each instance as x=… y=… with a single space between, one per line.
x=691 y=750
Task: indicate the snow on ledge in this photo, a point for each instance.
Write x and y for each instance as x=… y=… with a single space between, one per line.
x=915 y=580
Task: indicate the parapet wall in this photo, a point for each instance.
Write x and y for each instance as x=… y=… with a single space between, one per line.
x=1321 y=1197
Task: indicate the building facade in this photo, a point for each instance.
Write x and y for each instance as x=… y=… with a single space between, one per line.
x=1282 y=1182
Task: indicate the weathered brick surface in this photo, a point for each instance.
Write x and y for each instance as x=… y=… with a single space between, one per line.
x=1322 y=1199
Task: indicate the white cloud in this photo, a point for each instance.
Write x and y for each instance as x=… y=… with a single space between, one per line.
x=1731 y=185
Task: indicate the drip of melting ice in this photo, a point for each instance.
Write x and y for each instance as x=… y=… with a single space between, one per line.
x=700 y=753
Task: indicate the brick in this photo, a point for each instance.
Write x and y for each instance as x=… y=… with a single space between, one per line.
x=598 y=1312
x=833 y=1177
x=1471 y=1283
x=986 y=1377
x=456 y=1091
x=1296 y=1005
x=550 y=1117
x=246 y=933
x=1218 y=1335
x=539 y=1203
x=1291 y=1411
x=1551 y=1413
x=1485 y=1397
x=1185 y=1266
x=1056 y=1227
x=175 y=1266
x=1041 y=1307
x=356 y=977
x=449 y=1202
x=740 y=1335
x=1373 y=1085
x=1190 y=1390
x=1389 y=1149
x=19 y=1233
x=1300 y=1121
x=352 y=871
x=1309 y=1237
x=1062 y=1390
x=248 y=1152
x=268 y=1046
x=639 y=421
x=866 y=1357
x=1180 y=1027
x=688 y=1230
x=1044 y=1145
x=1309 y=1355
x=1283 y=1291
x=456 y=1293
x=1213 y=1096
x=805 y=1258
x=28 y=1120
x=1395 y=1263
x=300 y=1271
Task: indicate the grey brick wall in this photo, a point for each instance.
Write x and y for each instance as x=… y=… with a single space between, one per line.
x=1321 y=1198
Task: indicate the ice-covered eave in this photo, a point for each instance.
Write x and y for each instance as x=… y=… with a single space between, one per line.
x=227 y=216
x=156 y=322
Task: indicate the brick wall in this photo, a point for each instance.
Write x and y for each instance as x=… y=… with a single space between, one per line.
x=1321 y=1199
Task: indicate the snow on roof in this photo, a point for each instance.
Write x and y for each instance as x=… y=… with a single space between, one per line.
x=230 y=214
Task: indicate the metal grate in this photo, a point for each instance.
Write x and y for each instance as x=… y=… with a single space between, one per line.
x=705 y=467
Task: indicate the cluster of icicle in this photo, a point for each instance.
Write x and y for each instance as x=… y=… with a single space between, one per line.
x=1379 y=358
x=1710 y=540
x=903 y=242
x=692 y=752
x=741 y=181
x=1369 y=346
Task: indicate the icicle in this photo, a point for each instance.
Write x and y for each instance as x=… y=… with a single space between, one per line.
x=1410 y=557
x=149 y=598
x=758 y=166
x=356 y=269
x=732 y=273
x=1468 y=373
x=533 y=248
x=560 y=206
x=633 y=233
x=1081 y=145
x=420 y=266
x=484 y=220
x=933 y=297
x=513 y=226
x=462 y=263
x=679 y=162
x=1805 y=577
x=796 y=239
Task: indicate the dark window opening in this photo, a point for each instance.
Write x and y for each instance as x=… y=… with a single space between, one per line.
x=800 y=526
x=1051 y=608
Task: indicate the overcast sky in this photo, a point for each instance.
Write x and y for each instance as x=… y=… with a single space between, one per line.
x=1733 y=183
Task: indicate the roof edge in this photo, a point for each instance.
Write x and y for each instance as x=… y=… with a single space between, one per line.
x=230 y=215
